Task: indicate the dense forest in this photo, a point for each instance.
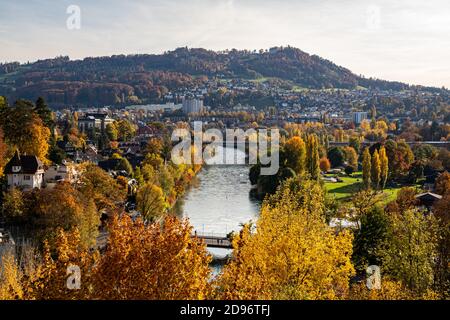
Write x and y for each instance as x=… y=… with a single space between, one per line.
x=123 y=79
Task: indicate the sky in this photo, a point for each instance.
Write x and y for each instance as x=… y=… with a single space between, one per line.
x=402 y=40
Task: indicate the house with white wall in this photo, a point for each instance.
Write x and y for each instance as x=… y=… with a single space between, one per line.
x=58 y=173
x=24 y=171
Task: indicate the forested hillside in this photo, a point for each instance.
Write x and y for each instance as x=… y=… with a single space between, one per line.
x=125 y=79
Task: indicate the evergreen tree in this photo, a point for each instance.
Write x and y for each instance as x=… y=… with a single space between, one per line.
x=370 y=238
x=44 y=113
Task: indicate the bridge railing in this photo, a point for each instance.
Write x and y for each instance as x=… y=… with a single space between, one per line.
x=209 y=234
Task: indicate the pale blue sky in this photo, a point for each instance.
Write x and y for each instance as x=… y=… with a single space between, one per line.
x=404 y=40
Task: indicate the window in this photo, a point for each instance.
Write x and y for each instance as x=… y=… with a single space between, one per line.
x=26 y=178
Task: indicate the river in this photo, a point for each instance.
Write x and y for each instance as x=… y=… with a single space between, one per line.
x=219 y=200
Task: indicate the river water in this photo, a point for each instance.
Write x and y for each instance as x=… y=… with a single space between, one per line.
x=219 y=200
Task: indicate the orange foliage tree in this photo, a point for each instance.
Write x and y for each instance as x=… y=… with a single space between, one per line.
x=152 y=262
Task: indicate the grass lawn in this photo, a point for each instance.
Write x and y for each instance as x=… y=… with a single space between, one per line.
x=343 y=191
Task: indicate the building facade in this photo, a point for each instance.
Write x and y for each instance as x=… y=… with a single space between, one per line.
x=23 y=171
x=192 y=105
x=92 y=121
x=358 y=117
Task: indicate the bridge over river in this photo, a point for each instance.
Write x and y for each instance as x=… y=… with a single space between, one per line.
x=214 y=240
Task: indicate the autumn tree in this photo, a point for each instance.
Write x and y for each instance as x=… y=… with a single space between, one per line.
x=101 y=187
x=156 y=262
x=312 y=159
x=405 y=200
x=390 y=290
x=355 y=143
x=14 y=207
x=112 y=132
x=384 y=167
x=49 y=281
x=11 y=286
x=151 y=201
x=366 y=168
x=325 y=164
x=3 y=152
x=375 y=170
x=155 y=146
x=400 y=158
x=293 y=255
x=125 y=130
x=442 y=183
x=441 y=210
x=64 y=207
x=351 y=157
x=24 y=130
x=295 y=154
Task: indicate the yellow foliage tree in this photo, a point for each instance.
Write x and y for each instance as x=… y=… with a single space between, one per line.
x=295 y=150
x=375 y=170
x=151 y=201
x=293 y=254
x=384 y=166
x=37 y=142
x=10 y=278
x=50 y=280
x=366 y=168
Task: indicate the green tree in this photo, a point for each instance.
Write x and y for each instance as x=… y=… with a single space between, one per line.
x=412 y=249
x=355 y=143
x=138 y=175
x=336 y=157
x=125 y=165
x=151 y=202
x=56 y=154
x=370 y=238
x=44 y=113
x=125 y=129
x=14 y=207
x=112 y=132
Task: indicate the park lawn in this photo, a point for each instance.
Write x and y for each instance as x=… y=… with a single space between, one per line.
x=343 y=191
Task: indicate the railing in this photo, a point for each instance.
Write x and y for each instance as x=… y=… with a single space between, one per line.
x=214 y=240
